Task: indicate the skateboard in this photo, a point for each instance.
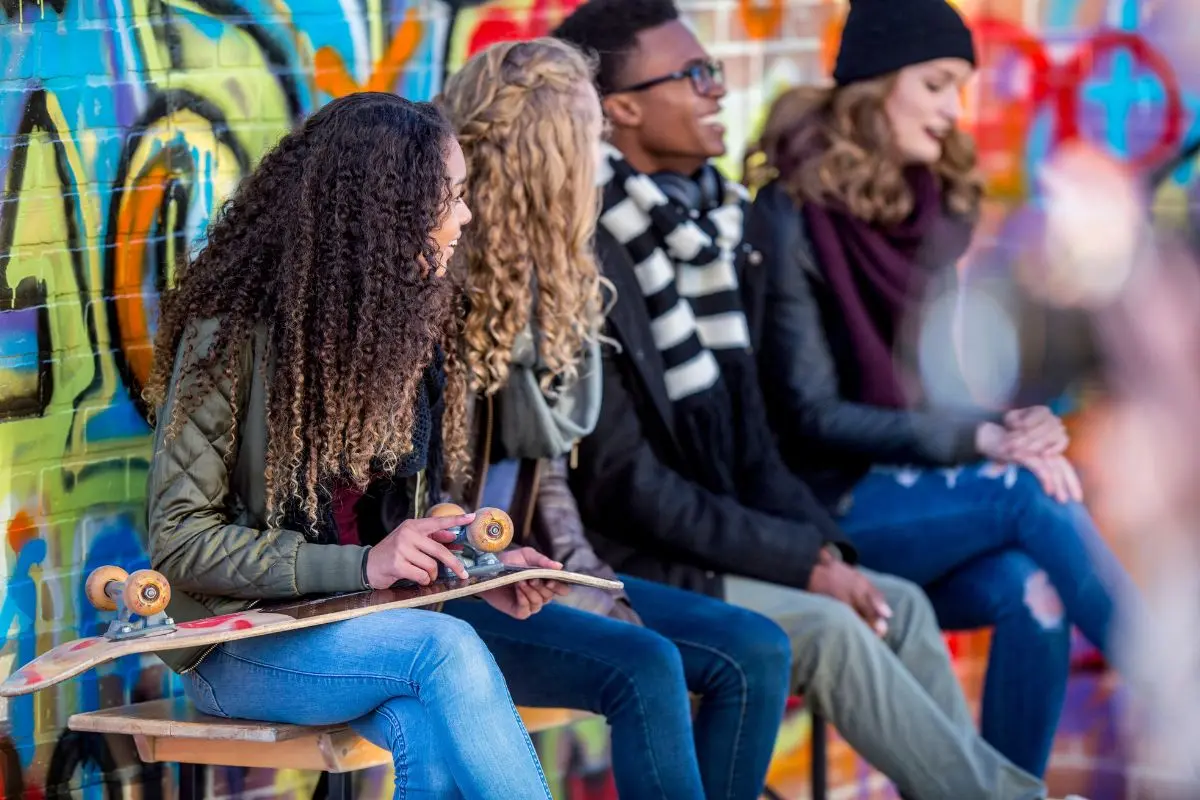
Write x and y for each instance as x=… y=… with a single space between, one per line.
x=143 y=626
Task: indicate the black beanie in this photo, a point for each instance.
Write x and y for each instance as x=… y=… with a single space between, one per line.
x=882 y=36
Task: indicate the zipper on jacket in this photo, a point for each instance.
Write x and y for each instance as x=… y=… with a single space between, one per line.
x=208 y=650
x=419 y=495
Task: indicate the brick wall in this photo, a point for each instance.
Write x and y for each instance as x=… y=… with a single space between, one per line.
x=123 y=123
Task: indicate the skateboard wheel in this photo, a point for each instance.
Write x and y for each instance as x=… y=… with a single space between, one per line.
x=146 y=592
x=491 y=531
x=446 y=510
x=96 y=583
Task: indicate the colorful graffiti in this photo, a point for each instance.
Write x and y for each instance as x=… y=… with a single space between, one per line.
x=126 y=123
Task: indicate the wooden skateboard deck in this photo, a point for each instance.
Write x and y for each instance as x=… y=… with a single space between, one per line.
x=71 y=658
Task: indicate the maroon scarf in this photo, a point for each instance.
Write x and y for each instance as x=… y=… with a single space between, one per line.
x=878 y=274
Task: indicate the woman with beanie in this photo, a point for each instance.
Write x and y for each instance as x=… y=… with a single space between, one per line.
x=874 y=202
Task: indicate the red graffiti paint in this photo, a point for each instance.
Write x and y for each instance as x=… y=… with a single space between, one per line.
x=20 y=529
x=1059 y=85
x=501 y=24
x=28 y=674
x=216 y=622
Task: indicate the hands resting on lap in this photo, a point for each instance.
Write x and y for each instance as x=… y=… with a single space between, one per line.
x=1036 y=439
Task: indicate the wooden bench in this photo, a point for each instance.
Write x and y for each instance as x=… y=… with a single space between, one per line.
x=172 y=730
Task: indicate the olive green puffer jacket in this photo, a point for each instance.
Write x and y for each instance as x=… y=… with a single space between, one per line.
x=207 y=523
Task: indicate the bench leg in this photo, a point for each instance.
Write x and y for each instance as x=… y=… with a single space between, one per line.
x=191 y=781
x=819 y=764
x=339 y=785
x=819 y=757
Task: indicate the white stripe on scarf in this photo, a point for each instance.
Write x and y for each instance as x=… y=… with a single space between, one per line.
x=629 y=219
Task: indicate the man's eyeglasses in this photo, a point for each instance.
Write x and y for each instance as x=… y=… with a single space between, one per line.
x=706 y=77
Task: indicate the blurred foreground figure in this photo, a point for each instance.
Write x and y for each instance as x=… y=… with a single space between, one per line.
x=1144 y=288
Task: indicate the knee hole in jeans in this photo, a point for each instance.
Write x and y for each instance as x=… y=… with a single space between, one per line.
x=1042 y=601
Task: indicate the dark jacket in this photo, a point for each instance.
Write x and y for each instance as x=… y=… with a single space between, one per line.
x=644 y=513
x=804 y=358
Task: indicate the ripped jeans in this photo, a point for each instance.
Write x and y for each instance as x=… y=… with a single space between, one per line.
x=992 y=549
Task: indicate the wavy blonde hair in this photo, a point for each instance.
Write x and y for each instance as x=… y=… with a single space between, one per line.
x=529 y=133
x=837 y=145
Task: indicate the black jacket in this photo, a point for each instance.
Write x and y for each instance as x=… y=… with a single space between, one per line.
x=804 y=358
x=644 y=515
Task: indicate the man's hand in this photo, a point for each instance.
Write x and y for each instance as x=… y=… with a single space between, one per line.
x=524 y=599
x=834 y=578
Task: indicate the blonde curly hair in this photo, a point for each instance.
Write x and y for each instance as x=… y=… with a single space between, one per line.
x=836 y=144
x=529 y=122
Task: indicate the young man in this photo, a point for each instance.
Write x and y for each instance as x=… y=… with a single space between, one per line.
x=681 y=480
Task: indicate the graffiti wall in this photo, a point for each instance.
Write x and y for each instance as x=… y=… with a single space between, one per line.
x=124 y=123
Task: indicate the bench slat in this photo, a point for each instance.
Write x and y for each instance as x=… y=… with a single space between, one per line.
x=176 y=717
x=340 y=750
x=172 y=730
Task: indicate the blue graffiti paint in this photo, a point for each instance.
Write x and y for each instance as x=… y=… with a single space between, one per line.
x=19 y=340
x=1125 y=94
x=121 y=420
x=20 y=607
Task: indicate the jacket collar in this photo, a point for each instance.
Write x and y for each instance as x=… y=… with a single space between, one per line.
x=629 y=323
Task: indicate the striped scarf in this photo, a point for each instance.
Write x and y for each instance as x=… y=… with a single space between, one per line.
x=690 y=287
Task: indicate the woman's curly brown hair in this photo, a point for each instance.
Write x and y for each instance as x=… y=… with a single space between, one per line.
x=836 y=144
x=529 y=123
x=325 y=247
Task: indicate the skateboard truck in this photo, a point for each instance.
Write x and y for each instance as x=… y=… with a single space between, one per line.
x=490 y=532
x=144 y=594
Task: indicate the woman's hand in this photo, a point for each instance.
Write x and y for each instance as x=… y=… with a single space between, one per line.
x=1026 y=433
x=413 y=550
x=523 y=599
x=1036 y=441
x=993 y=441
x=1037 y=431
x=1057 y=475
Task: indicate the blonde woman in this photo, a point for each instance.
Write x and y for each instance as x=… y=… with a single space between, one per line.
x=530 y=125
x=874 y=204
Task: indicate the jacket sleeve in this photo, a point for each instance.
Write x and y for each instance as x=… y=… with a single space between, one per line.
x=801 y=380
x=628 y=493
x=192 y=540
x=560 y=535
x=764 y=481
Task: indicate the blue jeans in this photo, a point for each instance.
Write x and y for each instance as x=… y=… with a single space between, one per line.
x=638 y=678
x=418 y=683
x=993 y=549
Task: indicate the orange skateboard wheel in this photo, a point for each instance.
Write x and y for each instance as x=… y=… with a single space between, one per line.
x=98 y=581
x=491 y=531
x=446 y=510
x=147 y=592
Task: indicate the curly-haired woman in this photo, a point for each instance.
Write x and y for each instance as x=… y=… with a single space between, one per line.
x=530 y=123
x=303 y=354
x=874 y=204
